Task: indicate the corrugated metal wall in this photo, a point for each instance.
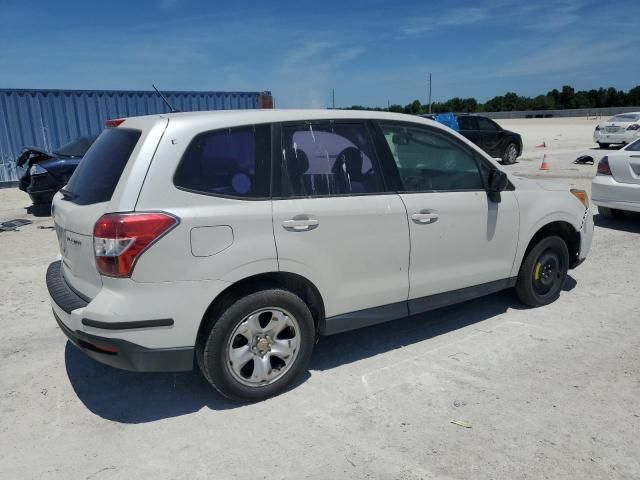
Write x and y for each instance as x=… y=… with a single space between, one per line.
x=51 y=118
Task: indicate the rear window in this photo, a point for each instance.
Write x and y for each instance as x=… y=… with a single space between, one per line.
x=634 y=147
x=234 y=162
x=99 y=171
x=627 y=117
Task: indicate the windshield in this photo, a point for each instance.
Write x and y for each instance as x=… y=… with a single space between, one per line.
x=76 y=148
x=627 y=117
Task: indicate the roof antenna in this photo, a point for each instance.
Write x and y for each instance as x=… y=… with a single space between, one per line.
x=164 y=99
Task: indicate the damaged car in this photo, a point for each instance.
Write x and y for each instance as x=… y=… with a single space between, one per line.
x=43 y=173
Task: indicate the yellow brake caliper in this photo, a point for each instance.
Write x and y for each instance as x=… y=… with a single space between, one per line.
x=536 y=272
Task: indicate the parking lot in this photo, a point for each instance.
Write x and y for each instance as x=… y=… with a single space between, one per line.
x=486 y=389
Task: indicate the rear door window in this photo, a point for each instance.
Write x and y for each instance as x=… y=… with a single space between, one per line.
x=100 y=169
x=234 y=162
x=467 y=123
x=328 y=159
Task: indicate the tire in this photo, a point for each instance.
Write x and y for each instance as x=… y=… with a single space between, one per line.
x=42 y=198
x=543 y=272
x=248 y=330
x=604 y=145
x=510 y=154
x=611 y=213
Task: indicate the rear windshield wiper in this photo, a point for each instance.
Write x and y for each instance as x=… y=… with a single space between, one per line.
x=67 y=194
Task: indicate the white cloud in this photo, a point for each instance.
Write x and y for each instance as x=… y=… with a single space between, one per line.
x=454 y=17
x=570 y=55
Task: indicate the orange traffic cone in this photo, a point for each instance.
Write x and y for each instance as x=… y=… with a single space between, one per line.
x=542 y=145
x=544 y=165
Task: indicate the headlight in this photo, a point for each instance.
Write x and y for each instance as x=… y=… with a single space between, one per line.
x=37 y=170
x=582 y=196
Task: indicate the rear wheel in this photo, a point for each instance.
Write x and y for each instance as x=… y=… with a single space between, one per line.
x=259 y=345
x=510 y=154
x=543 y=272
x=611 y=212
x=603 y=145
x=42 y=198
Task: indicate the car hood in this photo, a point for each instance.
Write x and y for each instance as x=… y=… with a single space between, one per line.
x=546 y=185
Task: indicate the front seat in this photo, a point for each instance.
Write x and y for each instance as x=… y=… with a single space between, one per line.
x=297 y=164
x=348 y=169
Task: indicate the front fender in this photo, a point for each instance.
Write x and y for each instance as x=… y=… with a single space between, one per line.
x=539 y=208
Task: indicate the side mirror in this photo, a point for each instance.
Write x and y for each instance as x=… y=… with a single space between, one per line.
x=498 y=182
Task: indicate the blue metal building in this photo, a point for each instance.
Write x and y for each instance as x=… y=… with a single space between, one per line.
x=51 y=118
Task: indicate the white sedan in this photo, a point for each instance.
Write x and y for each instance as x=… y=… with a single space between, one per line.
x=616 y=187
x=623 y=128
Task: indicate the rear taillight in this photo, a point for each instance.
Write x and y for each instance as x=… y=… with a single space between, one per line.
x=603 y=166
x=634 y=126
x=114 y=122
x=120 y=238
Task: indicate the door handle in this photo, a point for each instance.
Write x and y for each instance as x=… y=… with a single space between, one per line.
x=425 y=217
x=300 y=224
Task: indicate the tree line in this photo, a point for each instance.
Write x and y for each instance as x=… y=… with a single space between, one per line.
x=556 y=99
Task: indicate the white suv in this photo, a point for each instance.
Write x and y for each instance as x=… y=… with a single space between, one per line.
x=237 y=238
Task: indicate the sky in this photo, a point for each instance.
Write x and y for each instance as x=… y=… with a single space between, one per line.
x=371 y=52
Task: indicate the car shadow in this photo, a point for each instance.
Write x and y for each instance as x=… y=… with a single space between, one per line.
x=610 y=147
x=39 y=210
x=630 y=222
x=130 y=397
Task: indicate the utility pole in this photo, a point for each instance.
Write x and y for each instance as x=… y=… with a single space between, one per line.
x=429 y=92
x=333 y=98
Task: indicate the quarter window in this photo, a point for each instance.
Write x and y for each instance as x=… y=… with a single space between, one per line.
x=328 y=159
x=430 y=161
x=231 y=162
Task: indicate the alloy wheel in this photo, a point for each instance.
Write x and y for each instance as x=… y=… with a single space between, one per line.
x=263 y=347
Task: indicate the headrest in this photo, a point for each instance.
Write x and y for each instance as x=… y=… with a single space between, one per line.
x=297 y=161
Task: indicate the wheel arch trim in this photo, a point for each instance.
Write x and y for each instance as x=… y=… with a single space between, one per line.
x=554 y=224
x=292 y=282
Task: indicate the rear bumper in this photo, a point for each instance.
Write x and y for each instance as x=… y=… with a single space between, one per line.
x=626 y=136
x=115 y=352
x=43 y=187
x=606 y=192
x=129 y=356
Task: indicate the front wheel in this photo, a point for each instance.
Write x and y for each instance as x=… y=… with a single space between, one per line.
x=259 y=346
x=510 y=154
x=543 y=272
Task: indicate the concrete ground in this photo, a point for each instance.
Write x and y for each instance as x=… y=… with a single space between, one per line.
x=565 y=138
x=546 y=393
